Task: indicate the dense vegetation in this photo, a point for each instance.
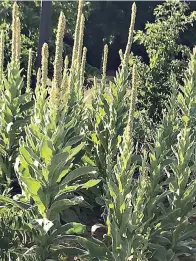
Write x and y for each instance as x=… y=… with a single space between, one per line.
x=104 y=179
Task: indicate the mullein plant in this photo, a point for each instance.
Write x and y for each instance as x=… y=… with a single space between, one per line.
x=126 y=238
x=125 y=197
x=119 y=193
x=108 y=115
x=71 y=86
x=172 y=236
x=48 y=168
x=15 y=111
x=15 y=104
x=186 y=96
x=72 y=92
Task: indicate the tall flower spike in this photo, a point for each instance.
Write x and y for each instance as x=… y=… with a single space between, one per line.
x=37 y=89
x=76 y=35
x=18 y=40
x=1 y=53
x=14 y=31
x=96 y=89
x=130 y=36
x=80 y=43
x=64 y=81
x=66 y=64
x=105 y=59
x=58 y=62
x=54 y=97
x=95 y=82
x=82 y=70
x=29 y=70
x=44 y=65
x=129 y=127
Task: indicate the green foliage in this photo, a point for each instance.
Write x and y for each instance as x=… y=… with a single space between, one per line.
x=48 y=162
x=15 y=105
x=63 y=154
x=149 y=218
x=165 y=54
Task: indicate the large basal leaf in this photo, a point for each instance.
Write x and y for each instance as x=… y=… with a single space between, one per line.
x=70 y=228
x=26 y=106
x=76 y=150
x=13 y=202
x=89 y=184
x=58 y=164
x=95 y=248
x=159 y=252
x=73 y=141
x=68 y=251
x=36 y=191
x=62 y=204
x=78 y=173
x=27 y=156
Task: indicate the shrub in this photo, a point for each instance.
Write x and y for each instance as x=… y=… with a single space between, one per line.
x=165 y=53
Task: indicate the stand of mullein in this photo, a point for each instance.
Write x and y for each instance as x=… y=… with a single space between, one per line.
x=186 y=99
x=49 y=169
x=109 y=109
x=15 y=103
x=120 y=192
x=14 y=116
x=170 y=193
x=148 y=218
x=182 y=170
x=124 y=241
x=172 y=234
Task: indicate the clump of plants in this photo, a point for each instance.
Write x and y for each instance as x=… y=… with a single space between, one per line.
x=63 y=153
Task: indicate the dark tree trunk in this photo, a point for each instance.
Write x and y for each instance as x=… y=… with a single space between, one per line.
x=44 y=28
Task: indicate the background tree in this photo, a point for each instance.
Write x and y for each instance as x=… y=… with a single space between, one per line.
x=166 y=54
x=44 y=28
